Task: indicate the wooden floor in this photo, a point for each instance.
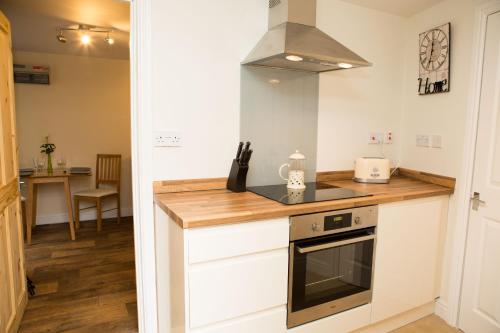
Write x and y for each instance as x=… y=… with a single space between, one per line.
x=83 y=286
x=429 y=324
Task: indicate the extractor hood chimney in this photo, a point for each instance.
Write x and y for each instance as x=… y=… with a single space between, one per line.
x=293 y=41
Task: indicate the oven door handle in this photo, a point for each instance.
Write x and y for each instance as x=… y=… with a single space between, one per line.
x=333 y=244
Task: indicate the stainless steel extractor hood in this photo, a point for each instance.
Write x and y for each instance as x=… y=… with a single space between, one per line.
x=293 y=41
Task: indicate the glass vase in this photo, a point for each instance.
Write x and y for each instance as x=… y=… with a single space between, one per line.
x=49 y=164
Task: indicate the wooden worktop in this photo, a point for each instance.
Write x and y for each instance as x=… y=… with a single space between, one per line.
x=202 y=208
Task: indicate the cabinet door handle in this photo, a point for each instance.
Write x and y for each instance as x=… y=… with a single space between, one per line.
x=476 y=201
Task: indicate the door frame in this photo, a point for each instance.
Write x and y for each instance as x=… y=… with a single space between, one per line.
x=467 y=172
x=142 y=163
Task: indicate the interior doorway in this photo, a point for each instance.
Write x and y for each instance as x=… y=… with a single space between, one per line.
x=76 y=96
x=480 y=304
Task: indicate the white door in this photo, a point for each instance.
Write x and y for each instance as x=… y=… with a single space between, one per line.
x=480 y=308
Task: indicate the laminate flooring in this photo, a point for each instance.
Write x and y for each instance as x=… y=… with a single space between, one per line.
x=82 y=286
x=429 y=324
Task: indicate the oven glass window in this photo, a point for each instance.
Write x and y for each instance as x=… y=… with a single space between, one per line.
x=325 y=275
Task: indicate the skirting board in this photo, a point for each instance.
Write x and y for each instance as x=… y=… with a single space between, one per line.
x=85 y=215
x=442 y=310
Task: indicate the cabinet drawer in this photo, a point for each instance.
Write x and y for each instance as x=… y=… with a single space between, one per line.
x=236 y=287
x=270 y=321
x=206 y=244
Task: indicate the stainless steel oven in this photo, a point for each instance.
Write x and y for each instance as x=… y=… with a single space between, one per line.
x=331 y=263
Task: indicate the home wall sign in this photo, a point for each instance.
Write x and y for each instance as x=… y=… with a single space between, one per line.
x=434 y=60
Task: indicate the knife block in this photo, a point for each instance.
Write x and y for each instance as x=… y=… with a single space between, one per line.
x=237 y=181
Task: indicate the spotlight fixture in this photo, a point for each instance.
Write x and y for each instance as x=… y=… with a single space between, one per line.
x=344 y=65
x=292 y=57
x=85 y=33
x=60 y=37
x=109 y=40
x=85 y=39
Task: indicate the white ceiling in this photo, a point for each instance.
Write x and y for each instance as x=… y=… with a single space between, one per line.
x=398 y=7
x=35 y=22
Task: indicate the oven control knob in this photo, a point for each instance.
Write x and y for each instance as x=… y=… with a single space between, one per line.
x=357 y=220
x=315 y=227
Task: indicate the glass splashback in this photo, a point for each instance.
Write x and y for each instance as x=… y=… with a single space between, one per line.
x=279 y=114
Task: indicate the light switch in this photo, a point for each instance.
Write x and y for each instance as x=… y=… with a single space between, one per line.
x=389 y=138
x=436 y=141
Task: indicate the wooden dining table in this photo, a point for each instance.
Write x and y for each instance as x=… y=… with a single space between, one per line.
x=44 y=177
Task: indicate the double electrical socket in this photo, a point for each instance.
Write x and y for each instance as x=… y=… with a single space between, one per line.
x=381 y=138
x=167 y=139
x=429 y=141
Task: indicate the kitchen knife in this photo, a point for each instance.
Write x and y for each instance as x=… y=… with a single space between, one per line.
x=247 y=145
x=243 y=157
x=240 y=147
x=248 y=155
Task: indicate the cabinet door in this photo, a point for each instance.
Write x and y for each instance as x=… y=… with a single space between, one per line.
x=408 y=255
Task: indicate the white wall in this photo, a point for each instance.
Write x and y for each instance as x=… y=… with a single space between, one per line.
x=353 y=103
x=196 y=89
x=86 y=110
x=198 y=47
x=442 y=114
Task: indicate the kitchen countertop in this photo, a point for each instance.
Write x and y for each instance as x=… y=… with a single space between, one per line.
x=192 y=209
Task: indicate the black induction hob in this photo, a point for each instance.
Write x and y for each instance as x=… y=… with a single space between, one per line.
x=313 y=192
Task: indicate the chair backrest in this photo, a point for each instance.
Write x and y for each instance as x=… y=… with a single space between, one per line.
x=108 y=170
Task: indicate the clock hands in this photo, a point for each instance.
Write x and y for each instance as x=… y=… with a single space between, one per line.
x=430 y=56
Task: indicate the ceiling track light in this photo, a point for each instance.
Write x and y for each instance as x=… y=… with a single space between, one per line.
x=109 y=40
x=85 y=33
x=60 y=37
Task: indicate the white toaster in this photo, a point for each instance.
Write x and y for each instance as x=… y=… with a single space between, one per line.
x=372 y=170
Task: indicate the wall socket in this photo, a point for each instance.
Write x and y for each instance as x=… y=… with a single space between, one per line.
x=167 y=139
x=423 y=140
x=429 y=141
x=376 y=138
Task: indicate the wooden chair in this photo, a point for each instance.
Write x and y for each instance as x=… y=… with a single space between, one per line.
x=108 y=173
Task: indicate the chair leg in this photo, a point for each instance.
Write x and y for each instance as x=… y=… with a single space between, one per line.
x=99 y=214
x=77 y=212
x=71 y=221
x=119 y=210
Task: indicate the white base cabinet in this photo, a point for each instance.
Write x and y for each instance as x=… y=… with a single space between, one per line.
x=234 y=278
x=222 y=279
x=410 y=240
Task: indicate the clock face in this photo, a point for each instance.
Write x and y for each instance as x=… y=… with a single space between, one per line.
x=434 y=60
x=434 y=49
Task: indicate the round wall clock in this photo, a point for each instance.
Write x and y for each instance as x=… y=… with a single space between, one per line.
x=434 y=60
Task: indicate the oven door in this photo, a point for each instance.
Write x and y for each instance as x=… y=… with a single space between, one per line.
x=330 y=274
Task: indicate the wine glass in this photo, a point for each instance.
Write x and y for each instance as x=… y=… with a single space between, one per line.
x=40 y=163
x=61 y=163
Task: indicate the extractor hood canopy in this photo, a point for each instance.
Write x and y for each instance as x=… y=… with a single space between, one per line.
x=293 y=41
